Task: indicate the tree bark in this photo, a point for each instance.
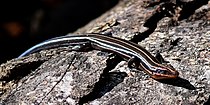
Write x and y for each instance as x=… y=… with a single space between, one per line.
x=178 y=30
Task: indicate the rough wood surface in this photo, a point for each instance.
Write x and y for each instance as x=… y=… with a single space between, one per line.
x=60 y=76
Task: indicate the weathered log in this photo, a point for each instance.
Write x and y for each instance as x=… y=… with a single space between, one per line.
x=61 y=76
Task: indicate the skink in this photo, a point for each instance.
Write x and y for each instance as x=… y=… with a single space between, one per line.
x=136 y=55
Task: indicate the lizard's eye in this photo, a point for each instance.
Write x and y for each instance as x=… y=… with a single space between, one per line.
x=159 y=71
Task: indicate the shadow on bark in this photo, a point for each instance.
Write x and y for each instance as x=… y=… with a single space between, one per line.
x=167 y=8
x=105 y=84
x=180 y=82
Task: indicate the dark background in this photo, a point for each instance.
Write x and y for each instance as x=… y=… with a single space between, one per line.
x=24 y=23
